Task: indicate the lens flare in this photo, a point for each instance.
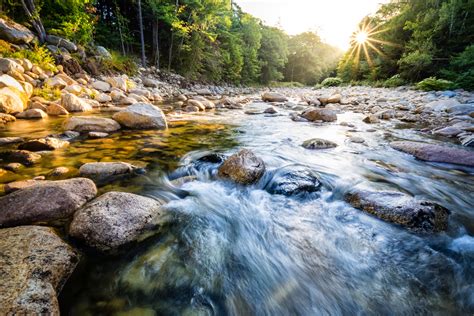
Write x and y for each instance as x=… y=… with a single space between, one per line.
x=361 y=37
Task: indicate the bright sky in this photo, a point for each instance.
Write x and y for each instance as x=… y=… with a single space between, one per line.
x=334 y=20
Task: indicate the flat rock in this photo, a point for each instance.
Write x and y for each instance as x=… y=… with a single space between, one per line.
x=400 y=208
x=243 y=167
x=274 y=97
x=142 y=116
x=318 y=143
x=436 y=153
x=47 y=143
x=45 y=201
x=34 y=265
x=102 y=172
x=91 y=124
x=114 y=219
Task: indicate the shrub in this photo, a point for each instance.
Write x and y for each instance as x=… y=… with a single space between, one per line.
x=433 y=84
x=48 y=93
x=38 y=55
x=284 y=84
x=120 y=63
x=461 y=69
x=394 y=81
x=331 y=82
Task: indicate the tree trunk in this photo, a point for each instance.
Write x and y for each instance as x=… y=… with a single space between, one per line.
x=156 y=44
x=170 y=54
x=142 y=38
x=30 y=11
x=120 y=33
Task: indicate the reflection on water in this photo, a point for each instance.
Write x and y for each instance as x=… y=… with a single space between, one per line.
x=232 y=250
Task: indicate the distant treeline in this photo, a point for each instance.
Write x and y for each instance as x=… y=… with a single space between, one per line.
x=211 y=40
x=413 y=40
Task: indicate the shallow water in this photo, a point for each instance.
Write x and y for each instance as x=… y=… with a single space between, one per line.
x=231 y=250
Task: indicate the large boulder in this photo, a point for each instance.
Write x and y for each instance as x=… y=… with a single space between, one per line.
x=400 y=208
x=142 y=116
x=325 y=115
x=274 y=97
x=114 y=219
x=243 y=167
x=12 y=100
x=15 y=33
x=61 y=42
x=73 y=103
x=47 y=143
x=436 y=153
x=45 y=201
x=102 y=172
x=34 y=265
x=293 y=181
x=91 y=124
x=32 y=114
x=9 y=81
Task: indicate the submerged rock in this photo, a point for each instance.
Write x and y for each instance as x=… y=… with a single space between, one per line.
x=318 y=143
x=91 y=124
x=47 y=143
x=142 y=116
x=436 y=153
x=34 y=265
x=24 y=157
x=243 y=167
x=45 y=201
x=292 y=181
x=114 y=219
x=400 y=208
x=103 y=172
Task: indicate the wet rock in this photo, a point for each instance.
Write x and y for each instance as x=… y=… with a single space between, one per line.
x=118 y=82
x=371 y=119
x=274 y=97
x=103 y=172
x=12 y=100
x=55 y=110
x=243 y=167
x=6 y=118
x=24 y=157
x=91 y=124
x=15 y=33
x=45 y=201
x=59 y=172
x=441 y=105
x=115 y=219
x=97 y=135
x=34 y=265
x=101 y=86
x=47 y=143
x=32 y=114
x=436 y=153
x=19 y=185
x=142 y=116
x=13 y=166
x=293 y=181
x=195 y=103
x=356 y=139
x=325 y=115
x=103 y=98
x=270 y=110
x=468 y=141
x=73 y=103
x=10 y=140
x=335 y=98
x=400 y=208
x=318 y=143
x=449 y=131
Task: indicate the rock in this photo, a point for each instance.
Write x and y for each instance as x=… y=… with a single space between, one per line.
x=61 y=42
x=103 y=172
x=325 y=115
x=141 y=116
x=386 y=114
x=335 y=98
x=74 y=89
x=356 y=139
x=103 y=52
x=45 y=201
x=243 y=167
x=10 y=66
x=47 y=143
x=118 y=82
x=19 y=185
x=204 y=91
x=24 y=157
x=147 y=82
x=13 y=166
x=34 y=265
x=73 y=103
x=37 y=105
x=15 y=33
x=57 y=83
x=468 y=141
x=400 y=208
x=274 y=97
x=10 y=140
x=292 y=181
x=318 y=143
x=101 y=86
x=436 y=153
x=91 y=124
x=270 y=110
x=191 y=108
x=32 y=114
x=58 y=172
x=142 y=92
x=12 y=100
x=6 y=118
x=114 y=219
x=371 y=119
x=8 y=81
x=97 y=135
x=441 y=105
x=103 y=98
x=449 y=131
x=196 y=103
x=55 y=110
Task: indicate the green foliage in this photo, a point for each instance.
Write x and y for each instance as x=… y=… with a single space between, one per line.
x=394 y=81
x=331 y=82
x=273 y=54
x=48 y=93
x=38 y=55
x=285 y=84
x=120 y=63
x=433 y=84
x=461 y=69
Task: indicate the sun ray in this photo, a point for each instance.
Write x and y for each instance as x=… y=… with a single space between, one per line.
x=366 y=52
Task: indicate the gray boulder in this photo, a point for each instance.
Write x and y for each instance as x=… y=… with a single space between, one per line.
x=15 y=33
x=45 y=201
x=318 y=143
x=114 y=219
x=61 y=42
x=103 y=172
x=141 y=116
x=34 y=265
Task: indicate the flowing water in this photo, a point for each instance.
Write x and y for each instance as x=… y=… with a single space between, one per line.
x=225 y=249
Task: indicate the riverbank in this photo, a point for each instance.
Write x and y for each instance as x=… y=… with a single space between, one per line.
x=129 y=163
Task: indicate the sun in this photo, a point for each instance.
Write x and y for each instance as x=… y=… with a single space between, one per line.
x=361 y=37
